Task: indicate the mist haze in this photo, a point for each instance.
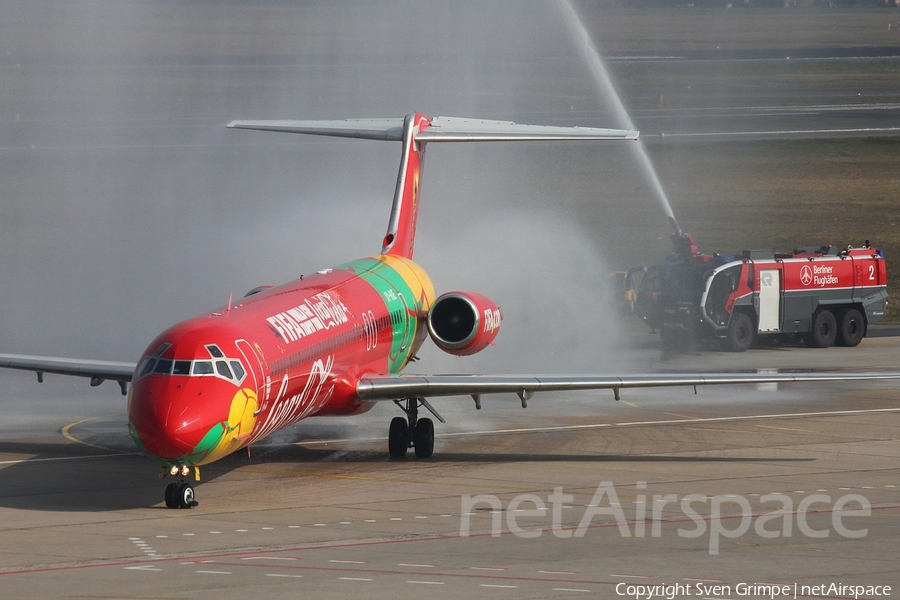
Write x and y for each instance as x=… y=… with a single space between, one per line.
x=128 y=206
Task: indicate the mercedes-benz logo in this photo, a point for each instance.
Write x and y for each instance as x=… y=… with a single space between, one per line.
x=806 y=276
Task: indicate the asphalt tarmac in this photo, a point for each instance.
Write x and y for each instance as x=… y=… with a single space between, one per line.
x=128 y=206
x=572 y=496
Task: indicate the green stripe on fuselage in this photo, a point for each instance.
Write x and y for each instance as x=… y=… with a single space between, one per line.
x=399 y=299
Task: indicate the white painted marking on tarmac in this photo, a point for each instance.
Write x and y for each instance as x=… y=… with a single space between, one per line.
x=371 y=521
x=241 y=530
x=142 y=568
x=890 y=486
x=631 y=576
x=283 y=575
x=346 y=523
x=319 y=525
x=421 y=517
x=495 y=585
x=571 y=590
x=215 y=572
x=711 y=580
x=268 y=558
x=348 y=562
x=187 y=534
x=427 y=582
x=827 y=413
x=59 y=458
x=558 y=572
x=424 y=566
x=268 y=528
x=354 y=579
x=396 y=518
x=488 y=568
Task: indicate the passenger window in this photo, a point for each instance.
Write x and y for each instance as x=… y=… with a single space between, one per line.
x=223 y=370
x=182 y=367
x=203 y=367
x=148 y=367
x=238 y=369
x=163 y=367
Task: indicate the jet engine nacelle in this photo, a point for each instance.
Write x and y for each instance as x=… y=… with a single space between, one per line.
x=463 y=323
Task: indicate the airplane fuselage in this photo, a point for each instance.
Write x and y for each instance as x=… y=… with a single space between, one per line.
x=215 y=383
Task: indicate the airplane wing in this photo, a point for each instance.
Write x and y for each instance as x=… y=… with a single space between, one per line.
x=376 y=388
x=441 y=129
x=97 y=370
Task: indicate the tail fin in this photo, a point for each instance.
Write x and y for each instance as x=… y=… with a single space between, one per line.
x=415 y=131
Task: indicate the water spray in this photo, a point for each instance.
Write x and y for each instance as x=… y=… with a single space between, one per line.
x=603 y=81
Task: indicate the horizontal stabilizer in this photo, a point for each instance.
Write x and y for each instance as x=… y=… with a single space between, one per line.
x=453 y=129
x=441 y=129
x=390 y=130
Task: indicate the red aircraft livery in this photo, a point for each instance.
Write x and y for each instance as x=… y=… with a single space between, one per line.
x=332 y=343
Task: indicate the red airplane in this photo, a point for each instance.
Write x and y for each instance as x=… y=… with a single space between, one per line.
x=333 y=343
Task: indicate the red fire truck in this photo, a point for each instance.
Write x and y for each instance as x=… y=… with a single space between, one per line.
x=829 y=296
x=823 y=295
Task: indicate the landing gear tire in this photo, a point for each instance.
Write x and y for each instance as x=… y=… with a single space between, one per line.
x=423 y=439
x=398 y=438
x=172 y=495
x=185 y=496
x=179 y=495
x=824 y=329
x=740 y=334
x=851 y=328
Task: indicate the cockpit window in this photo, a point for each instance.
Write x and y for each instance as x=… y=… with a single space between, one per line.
x=203 y=367
x=163 y=367
x=238 y=369
x=223 y=370
x=161 y=349
x=147 y=368
x=182 y=367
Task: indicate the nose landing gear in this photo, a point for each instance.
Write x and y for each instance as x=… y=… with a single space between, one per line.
x=180 y=494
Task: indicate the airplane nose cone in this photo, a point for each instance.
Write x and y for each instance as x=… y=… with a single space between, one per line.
x=186 y=421
x=167 y=420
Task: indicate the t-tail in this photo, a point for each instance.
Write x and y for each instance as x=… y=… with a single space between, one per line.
x=415 y=131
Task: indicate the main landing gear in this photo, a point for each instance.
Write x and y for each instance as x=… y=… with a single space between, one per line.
x=412 y=432
x=179 y=494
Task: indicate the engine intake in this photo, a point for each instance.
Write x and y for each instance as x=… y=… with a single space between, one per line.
x=463 y=323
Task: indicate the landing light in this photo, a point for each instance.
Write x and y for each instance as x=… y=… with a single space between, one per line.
x=185 y=471
x=173 y=470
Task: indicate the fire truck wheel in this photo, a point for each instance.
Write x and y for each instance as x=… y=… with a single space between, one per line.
x=739 y=336
x=824 y=329
x=851 y=328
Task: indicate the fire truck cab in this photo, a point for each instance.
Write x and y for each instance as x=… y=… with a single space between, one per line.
x=827 y=296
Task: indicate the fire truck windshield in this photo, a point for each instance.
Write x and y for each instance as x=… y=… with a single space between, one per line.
x=720 y=287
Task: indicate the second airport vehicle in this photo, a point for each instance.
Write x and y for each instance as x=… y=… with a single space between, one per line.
x=333 y=342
